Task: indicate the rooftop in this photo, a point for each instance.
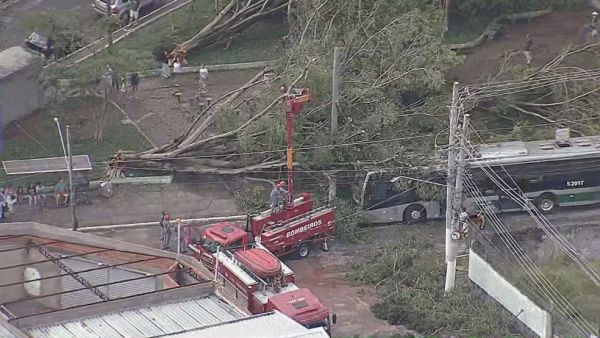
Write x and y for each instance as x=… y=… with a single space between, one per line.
x=14 y=59
x=533 y=151
x=60 y=283
x=148 y=321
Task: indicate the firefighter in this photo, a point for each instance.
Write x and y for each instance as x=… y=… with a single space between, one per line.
x=283 y=194
x=165 y=231
x=278 y=197
x=275 y=198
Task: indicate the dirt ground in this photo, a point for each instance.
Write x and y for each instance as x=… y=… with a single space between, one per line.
x=155 y=109
x=550 y=34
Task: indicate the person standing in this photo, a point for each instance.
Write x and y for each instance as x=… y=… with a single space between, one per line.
x=134 y=12
x=177 y=66
x=203 y=77
x=164 y=61
x=134 y=80
x=31 y=194
x=594 y=24
x=165 y=231
x=528 y=48
x=123 y=84
x=274 y=198
x=283 y=194
x=39 y=194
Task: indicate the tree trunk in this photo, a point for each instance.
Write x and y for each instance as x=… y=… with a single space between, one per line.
x=233 y=18
x=331 y=179
x=99 y=122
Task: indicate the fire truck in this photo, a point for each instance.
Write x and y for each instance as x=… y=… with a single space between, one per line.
x=298 y=226
x=255 y=279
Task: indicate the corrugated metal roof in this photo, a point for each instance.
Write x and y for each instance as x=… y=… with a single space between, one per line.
x=271 y=325
x=151 y=321
x=4 y=333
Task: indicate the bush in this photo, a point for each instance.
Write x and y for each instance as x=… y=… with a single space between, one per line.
x=350 y=222
x=253 y=200
x=410 y=291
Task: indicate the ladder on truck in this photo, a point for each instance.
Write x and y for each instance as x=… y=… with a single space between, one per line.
x=271 y=225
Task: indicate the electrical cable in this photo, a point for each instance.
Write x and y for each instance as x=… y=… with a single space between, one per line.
x=541 y=220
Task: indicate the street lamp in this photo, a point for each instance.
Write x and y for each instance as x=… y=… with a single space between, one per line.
x=69 y=160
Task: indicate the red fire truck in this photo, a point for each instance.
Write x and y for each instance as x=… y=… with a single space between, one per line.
x=255 y=279
x=296 y=227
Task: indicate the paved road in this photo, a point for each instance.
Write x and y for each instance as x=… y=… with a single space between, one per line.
x=11 y=19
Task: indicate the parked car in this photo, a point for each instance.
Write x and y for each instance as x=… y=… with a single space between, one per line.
x=40 y=43
x=120 y=8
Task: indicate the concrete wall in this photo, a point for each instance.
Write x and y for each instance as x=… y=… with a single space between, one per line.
x=27 y=258
x=20 y=94
x=534 y=317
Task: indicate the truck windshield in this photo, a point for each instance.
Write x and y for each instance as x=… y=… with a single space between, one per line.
x=210 y=245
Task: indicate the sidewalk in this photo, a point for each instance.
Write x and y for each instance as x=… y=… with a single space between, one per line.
x=137 y=203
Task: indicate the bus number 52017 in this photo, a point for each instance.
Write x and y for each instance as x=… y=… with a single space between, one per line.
x=574 y=183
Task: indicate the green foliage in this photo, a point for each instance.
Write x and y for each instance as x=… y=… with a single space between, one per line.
x=261 y=41
x=252 y=199
x=350 y=221
x=410 y=292
x=395 y=64
x=87 y=74
x=78 y=112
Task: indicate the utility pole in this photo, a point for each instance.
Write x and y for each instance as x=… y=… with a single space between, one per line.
x=446 y=16
x=335 y=90
x=451 y=245
x=71 y=190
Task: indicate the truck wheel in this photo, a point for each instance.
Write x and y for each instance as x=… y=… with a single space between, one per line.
x=303 y=250
x=414 y=212
x=546 y=203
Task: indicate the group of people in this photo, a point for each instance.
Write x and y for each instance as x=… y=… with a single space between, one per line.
x=122 y=83
x=167 y=229
x=172 y=61
x=279 y=197
x=32 y=195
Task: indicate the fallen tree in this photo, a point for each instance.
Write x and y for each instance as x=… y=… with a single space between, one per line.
x=236 y=16
x=199 y=151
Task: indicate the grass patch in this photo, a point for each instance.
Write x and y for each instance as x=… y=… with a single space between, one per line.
x=262 y=41
x=577 y=287
x=176 y=27
x=37 y=136
x=466 y=30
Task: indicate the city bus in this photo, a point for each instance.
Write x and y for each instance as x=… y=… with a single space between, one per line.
x=551 y=174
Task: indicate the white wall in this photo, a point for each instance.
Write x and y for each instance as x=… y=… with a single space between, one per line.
x=482 y=274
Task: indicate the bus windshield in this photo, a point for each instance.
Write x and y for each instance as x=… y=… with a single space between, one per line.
x=389 y=198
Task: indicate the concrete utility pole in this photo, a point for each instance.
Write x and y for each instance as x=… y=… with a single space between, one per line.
x=71 y=190
x=451 y=245
x=446 y=4
x=335 y=90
